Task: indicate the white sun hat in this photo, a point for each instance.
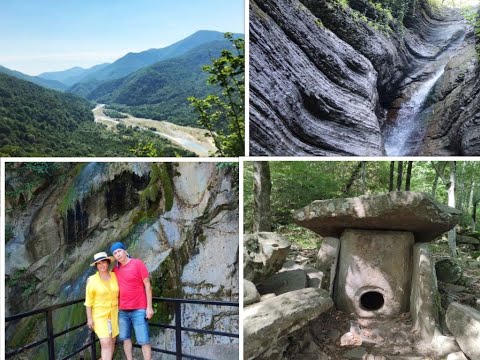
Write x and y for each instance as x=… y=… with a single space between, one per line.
x=101 y=256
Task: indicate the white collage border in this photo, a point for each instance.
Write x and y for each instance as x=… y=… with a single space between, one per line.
x=240 y=160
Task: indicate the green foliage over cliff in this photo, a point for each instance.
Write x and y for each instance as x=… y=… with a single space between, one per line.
x=473 y=18
x=398 y=9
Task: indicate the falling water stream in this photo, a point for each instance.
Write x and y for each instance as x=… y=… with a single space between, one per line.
x=409 y=122
x=404 y=135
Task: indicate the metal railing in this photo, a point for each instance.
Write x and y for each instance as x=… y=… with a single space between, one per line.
x=178 y=353
x=50 y=338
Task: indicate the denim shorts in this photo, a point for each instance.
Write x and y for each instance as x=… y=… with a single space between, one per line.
x=137 y=319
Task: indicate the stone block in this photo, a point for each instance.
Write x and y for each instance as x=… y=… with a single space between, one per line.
x=284 y=282
x=464 y=323
x=250 y=293
x=402 y=210
x=374 y=272
x=264 y=254
x=267 y=321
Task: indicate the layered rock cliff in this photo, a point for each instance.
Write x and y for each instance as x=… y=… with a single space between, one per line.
x=454 y=125
x=327 y=75
x=181 y=219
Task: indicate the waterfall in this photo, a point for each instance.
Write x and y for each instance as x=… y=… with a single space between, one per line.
x=409 y=122
x=408 y=128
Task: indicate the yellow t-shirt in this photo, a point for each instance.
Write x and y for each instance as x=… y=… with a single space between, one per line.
x=102 y=297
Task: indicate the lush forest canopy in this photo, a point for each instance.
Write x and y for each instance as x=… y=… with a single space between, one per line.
x=35 y=121
x=295 y=184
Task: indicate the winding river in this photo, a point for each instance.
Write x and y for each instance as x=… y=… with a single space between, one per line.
x=189 y=138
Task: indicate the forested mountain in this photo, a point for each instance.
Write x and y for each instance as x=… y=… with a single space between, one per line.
x=73 y=75
x=48 y=83
x=35 y=121
x=33 y=117
x=160 y=91
x=134 y=61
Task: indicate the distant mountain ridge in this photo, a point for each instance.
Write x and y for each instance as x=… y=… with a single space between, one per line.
x=48 y=83
x=144 y=85
x=81 y=81
x=72 y=75
x=135 y=61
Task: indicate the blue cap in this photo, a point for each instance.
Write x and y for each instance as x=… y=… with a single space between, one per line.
x=116 y=246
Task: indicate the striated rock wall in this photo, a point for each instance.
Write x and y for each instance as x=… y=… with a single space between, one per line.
x=310 y=92
x=323 y=73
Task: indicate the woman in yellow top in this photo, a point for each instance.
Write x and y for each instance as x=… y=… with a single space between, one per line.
x=101 y=301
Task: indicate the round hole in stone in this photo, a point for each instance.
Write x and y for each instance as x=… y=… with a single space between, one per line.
x=371 y=301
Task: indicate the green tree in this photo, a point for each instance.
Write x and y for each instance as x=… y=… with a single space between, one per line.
x=144 y=150
x=228 y=72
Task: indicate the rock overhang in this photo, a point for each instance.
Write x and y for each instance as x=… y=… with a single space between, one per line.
x=416 y=212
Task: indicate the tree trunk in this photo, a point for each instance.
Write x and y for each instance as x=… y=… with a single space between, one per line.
x=409 y=176
x=364 y=176
x=474 y=215
x=353 y=177
x=461 y=198
x=262 y=186
x=439 y=169
x=400 y=175
x=452 y=235
x=434 y=186
x=470 y=196
x=392 y=175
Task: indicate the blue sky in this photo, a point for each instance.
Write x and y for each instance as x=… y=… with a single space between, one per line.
x=50 y=35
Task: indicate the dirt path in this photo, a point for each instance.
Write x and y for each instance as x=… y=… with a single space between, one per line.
x=192 y=139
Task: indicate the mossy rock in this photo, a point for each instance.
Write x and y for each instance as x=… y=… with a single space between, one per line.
x=474 y=234
x=448 y=271
x=475 y=254
x=160 y=186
